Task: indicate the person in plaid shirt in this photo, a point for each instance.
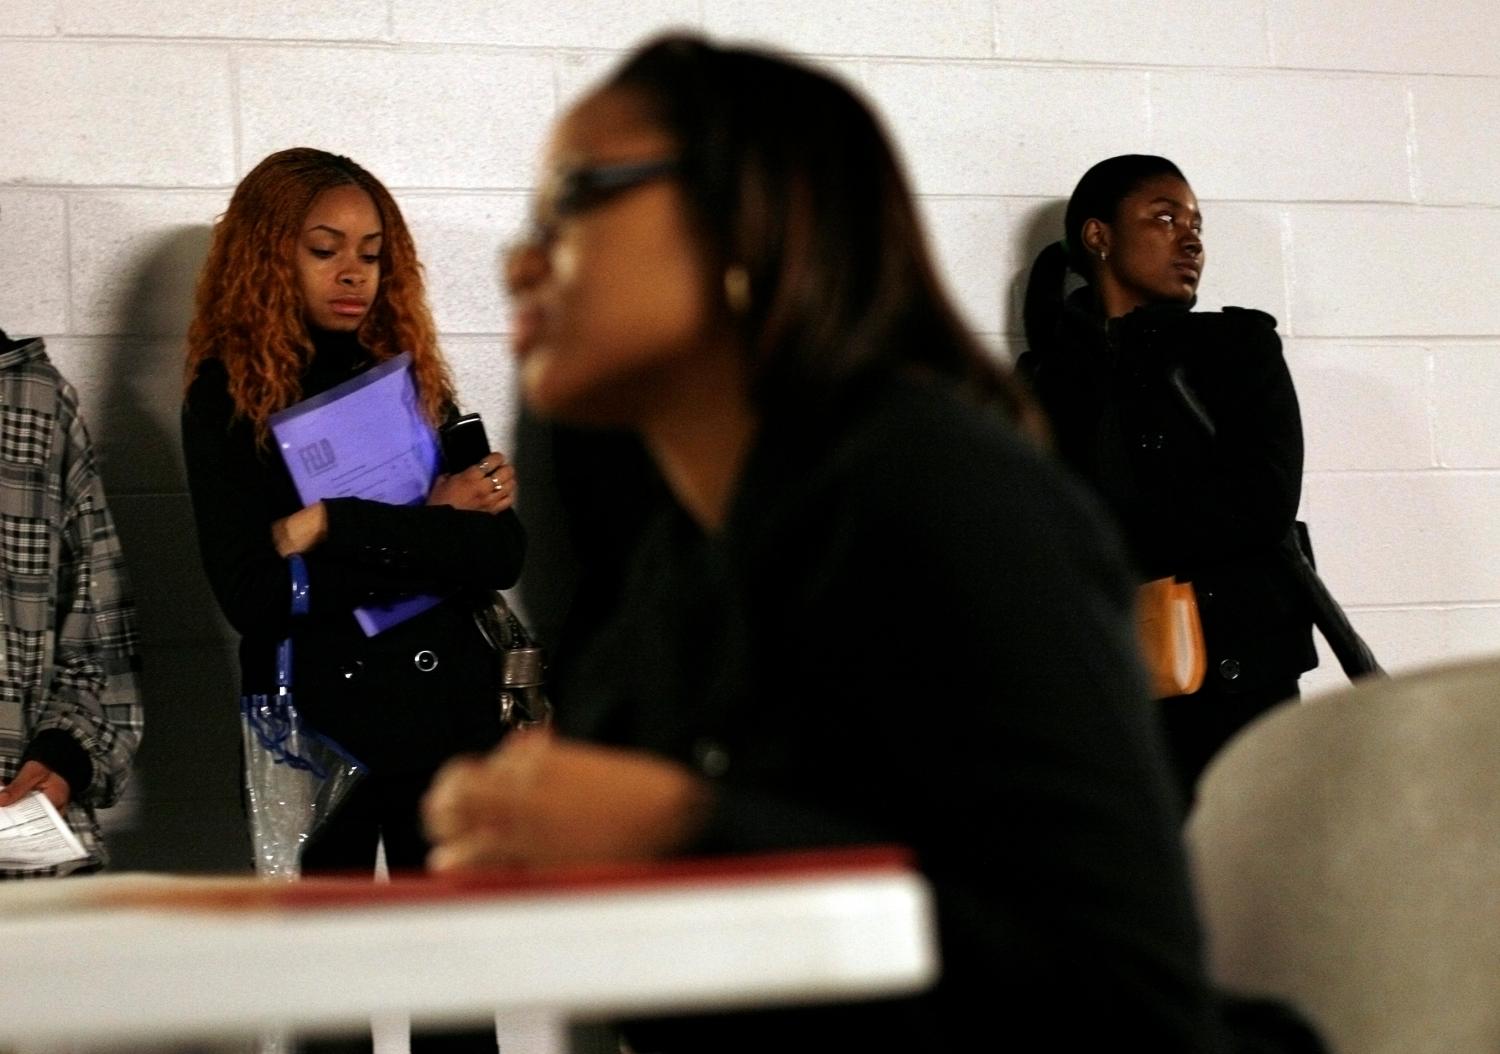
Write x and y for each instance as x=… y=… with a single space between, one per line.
x=70 y=713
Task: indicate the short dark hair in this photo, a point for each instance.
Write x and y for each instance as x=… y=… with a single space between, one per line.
x=1097 y=197
x=788 y=174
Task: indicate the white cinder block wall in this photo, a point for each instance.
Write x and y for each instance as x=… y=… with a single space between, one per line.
x=1347 y=151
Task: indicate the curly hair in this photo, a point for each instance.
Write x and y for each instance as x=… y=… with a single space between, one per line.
x=249 y=312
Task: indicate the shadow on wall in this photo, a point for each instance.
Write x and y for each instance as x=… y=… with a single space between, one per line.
x=1041 y=225
x=182 y=811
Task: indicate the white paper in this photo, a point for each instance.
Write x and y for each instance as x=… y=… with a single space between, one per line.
x=34 y=836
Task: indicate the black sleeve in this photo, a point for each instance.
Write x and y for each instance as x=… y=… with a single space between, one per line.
x=372 y=552
x=424 y=548
x=1247 y=499
x=234 y=505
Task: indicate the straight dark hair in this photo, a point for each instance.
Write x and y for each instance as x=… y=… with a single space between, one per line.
x=788 y=175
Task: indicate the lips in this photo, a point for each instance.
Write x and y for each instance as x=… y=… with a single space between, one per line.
x=1188 y=269
x=349 y=305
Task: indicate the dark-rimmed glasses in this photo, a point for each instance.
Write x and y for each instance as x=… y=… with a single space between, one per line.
x=571 y=191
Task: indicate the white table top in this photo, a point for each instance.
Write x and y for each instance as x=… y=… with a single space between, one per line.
x=128 y=957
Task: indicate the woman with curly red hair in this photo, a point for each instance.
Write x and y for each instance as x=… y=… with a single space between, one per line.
x=311 y=278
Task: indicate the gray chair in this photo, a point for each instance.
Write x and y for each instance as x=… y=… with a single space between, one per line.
x=1347 y=852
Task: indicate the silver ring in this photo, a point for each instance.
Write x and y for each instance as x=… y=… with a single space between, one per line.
x=499 y=487
x=484 y=467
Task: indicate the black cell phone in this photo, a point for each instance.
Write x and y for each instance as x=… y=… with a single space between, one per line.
x=464 y=443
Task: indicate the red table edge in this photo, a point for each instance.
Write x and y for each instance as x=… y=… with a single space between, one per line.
x=358 y=891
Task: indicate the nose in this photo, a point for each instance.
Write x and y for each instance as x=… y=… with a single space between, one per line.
x=525 y=265
x=355 y=273
x=1192 y=243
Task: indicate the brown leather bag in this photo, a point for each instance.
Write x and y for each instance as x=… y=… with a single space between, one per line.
x=1171 y=637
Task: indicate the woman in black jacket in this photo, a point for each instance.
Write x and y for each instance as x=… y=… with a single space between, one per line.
x=1186 y=423
x=872 y=610
x=311 y=278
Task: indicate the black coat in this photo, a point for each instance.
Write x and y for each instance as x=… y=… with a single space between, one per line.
x=1187 y=424
x=912 y=630
x=367 y=693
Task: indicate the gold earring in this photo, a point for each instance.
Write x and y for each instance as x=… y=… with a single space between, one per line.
x=737 y=288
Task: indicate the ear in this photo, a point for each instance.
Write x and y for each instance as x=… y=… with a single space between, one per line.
x=1095 y=237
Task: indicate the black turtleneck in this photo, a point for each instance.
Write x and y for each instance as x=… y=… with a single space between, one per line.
x=336 y=358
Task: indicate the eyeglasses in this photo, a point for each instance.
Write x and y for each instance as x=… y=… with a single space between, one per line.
x=575 y=190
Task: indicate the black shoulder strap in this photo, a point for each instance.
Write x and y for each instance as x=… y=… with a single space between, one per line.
x=1353 y=654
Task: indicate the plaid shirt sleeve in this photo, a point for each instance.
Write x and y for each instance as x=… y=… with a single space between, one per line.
x=93 y=695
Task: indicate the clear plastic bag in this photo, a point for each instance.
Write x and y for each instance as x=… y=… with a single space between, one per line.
x=294 y=780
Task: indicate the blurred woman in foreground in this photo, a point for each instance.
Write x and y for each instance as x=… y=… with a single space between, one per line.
x=874 y=613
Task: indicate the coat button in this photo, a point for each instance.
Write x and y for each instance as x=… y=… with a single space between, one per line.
x=1229 y=669
x=711 y=758
x=352 y=669
x=425 y=660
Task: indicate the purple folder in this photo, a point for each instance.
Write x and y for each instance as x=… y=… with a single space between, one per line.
x=364 y=438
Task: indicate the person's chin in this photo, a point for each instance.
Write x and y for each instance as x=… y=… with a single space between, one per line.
x=339 y=323
x=1184 y=293
x=546 y=391
x=554 y=397
x=1184 y=287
